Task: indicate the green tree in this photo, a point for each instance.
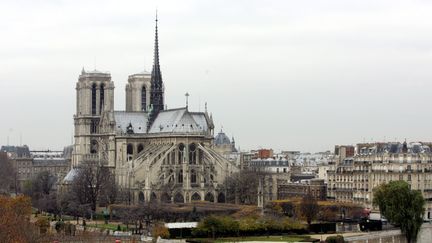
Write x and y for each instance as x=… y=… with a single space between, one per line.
x=217 y=226
x=401 y=206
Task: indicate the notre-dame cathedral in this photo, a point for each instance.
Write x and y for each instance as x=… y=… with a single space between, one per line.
x=167 y=155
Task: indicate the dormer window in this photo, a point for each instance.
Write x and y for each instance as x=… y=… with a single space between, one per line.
x=129 y=129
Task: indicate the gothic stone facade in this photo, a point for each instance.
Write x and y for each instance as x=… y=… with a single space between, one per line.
x=157 y=154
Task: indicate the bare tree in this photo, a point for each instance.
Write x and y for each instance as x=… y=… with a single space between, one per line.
x=40 y=189
x=90 y=182
x=109 y=191
x=309 y=208
x=42 y=184
x=70 y=206
x=242 y=187
x=7 y=173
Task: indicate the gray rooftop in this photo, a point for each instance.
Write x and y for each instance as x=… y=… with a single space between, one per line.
x=138 y=120
x=179 y=121
x=167 y=121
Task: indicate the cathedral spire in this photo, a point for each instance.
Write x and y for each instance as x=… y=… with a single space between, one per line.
x=156 y=76
x=157 y=87
x=156 y=48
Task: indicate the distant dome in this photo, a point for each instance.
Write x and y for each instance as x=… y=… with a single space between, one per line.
x=222 y=139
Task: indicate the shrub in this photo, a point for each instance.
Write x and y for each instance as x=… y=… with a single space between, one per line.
x=59 y=226
x=160 y=230
x=292 y=225
x=248 y=225
x=335 y=239
x=43 y=224
x=217 y=226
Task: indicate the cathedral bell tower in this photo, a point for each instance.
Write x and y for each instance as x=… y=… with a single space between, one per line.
x=138 y=92
x=156 y=84
x=95 y=95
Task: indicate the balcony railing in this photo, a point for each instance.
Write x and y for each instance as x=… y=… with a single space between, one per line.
x=343 y=189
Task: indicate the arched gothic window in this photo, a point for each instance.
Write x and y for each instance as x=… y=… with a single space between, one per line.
x=93 y=147
x=192 y=153
x=221 y=198
x=141 y=198
x=140 y=148
x=200 y=156
x=181 y=153
x=93 y=99
x=173 y=157
x=102 y=98
x=180 y=177
x=171 y=177
x=178 y=198
x=209 y=197
x=129 y=151
x=93 y=126
x=193 y=177
x=143 y=99
x=153 y=197
x=196 y=197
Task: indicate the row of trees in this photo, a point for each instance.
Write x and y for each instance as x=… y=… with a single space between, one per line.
x=309 y=209
x=213 y=226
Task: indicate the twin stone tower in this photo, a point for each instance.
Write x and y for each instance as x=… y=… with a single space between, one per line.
x=159 y=154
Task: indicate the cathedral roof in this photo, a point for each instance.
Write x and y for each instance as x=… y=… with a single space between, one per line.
x=167 y=121
x=179 y=121
x=138 y=121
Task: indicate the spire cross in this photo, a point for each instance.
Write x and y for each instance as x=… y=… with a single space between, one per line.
x=187 y=99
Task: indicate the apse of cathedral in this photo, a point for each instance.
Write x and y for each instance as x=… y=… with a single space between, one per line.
x=164 y=155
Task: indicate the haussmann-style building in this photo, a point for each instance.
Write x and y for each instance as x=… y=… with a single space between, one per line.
x=353 y=176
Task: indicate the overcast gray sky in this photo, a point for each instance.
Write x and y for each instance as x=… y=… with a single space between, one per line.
x=293 y=75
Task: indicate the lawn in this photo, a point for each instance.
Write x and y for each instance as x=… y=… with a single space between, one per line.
x=106 y=226
x=287 y=238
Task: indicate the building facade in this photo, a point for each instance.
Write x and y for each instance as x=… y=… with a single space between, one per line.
x=352 y=179
x=160 y=154
x=28 y=164
x=314 y=187
x=270 y=165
